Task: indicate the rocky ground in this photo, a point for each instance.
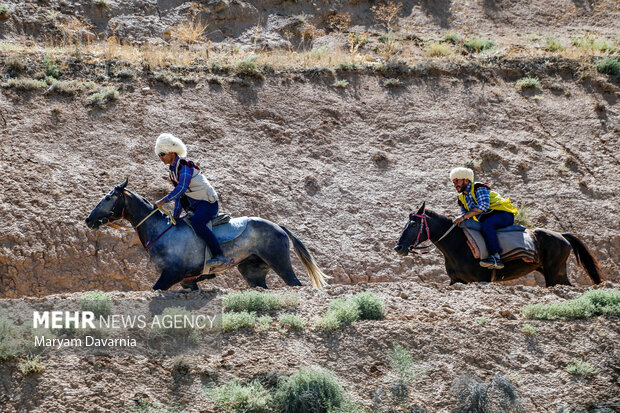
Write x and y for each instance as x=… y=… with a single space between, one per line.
x=340 y=166
x=452 y=332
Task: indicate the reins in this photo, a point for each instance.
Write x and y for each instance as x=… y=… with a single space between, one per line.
x=413 y=249
x=149 y=243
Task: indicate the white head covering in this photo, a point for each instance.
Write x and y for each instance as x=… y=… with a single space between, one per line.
x=462 y=173
x=167 y=142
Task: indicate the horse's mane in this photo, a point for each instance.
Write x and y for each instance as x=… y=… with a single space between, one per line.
x=140 y=198
x=433 y=214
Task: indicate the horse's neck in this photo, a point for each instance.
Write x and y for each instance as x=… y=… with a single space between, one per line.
x=438 y=225
x=136 y=210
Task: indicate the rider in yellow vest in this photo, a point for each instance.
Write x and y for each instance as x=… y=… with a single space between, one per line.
x=477 y=201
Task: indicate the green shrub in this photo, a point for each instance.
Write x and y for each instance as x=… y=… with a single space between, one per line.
x=51 y=68
x=437 y=49
x=103 y=96
x=248 y=66
x=347 y=66
x=592 y=43
x=529 y=330
x=10 y=344
x=392 y=82
x=370 y=306
x=263 y=322
x=528 y=83
x=452 y=37
x=553 y=44
x=237 y=398
x=580 y=368
x=292 y=321
x=310 y=390
x=256 y=301
x=26 y=84
x=609 y=66
x=479 y=45
x=236 y=321
x=98 y=302
x=593 y=302
x=4 y=12
x=402 y=362
x=339 y=313
x=341 y=84
x=31 y=365
x=524 y=217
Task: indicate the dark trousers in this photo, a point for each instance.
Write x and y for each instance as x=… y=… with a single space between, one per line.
x=498 y=219
x=203 y=212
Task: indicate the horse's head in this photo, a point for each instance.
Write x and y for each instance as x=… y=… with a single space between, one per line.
x=414 y=233
x=110 y=208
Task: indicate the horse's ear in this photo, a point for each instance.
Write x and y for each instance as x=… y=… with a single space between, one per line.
x=123 y=185
x=422 y=208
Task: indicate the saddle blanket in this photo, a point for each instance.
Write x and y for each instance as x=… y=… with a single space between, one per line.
x=515 y=241
x=231 y=230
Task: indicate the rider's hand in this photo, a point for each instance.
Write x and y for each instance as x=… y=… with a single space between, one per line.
x=159 y=203
x=458 y=221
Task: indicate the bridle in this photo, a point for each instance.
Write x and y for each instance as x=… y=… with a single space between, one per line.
x=415 y=247
x=149 y=244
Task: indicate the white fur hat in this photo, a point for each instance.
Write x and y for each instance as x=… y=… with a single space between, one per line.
x=167 y=142
x=462 y=173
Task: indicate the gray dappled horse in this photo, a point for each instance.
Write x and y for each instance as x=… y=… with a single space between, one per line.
x=179 y=253
x=553 y=250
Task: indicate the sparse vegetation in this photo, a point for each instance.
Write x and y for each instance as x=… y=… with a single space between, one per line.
x=387 y=15
x=238 y=398
x=529 y=330
x=248 y=66
x=452 y=37
x=340 y=313
x=609 y=66
x=31 y=365
x=393 y=83
x=402 y=363
x=103 y=96
x=249 y=301
x=188 y=32
x=341 y=84
x=477 y=45
x=473 y=396
x=356 y=41
x=370 y=306
x=10 y=345
x=311 y=389
x=592 y=303
x=524 y=217
x=26 y=84
x=553 y=44
x=592 y=43
x=528 y=83
x=238 y=320
x=437 y=49
x=292 y=321
x=99 y=302
x=263 y=322
x=4 y=12
x=16 y=64
x=579 y=367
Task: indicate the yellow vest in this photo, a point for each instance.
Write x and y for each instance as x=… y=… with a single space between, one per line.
x=497 y=202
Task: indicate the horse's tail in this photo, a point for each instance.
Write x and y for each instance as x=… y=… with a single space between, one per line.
x=584 y=258
x=317 y=277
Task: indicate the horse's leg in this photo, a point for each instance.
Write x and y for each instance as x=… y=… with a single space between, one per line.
x=254 y=270
x=554 y=265
x=280 y=261
x=167 y=279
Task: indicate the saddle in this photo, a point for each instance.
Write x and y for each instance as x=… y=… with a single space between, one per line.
x=225 y=230
x=516 y=242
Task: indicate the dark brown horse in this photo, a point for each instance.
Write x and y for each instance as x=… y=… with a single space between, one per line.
x=461 y=265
